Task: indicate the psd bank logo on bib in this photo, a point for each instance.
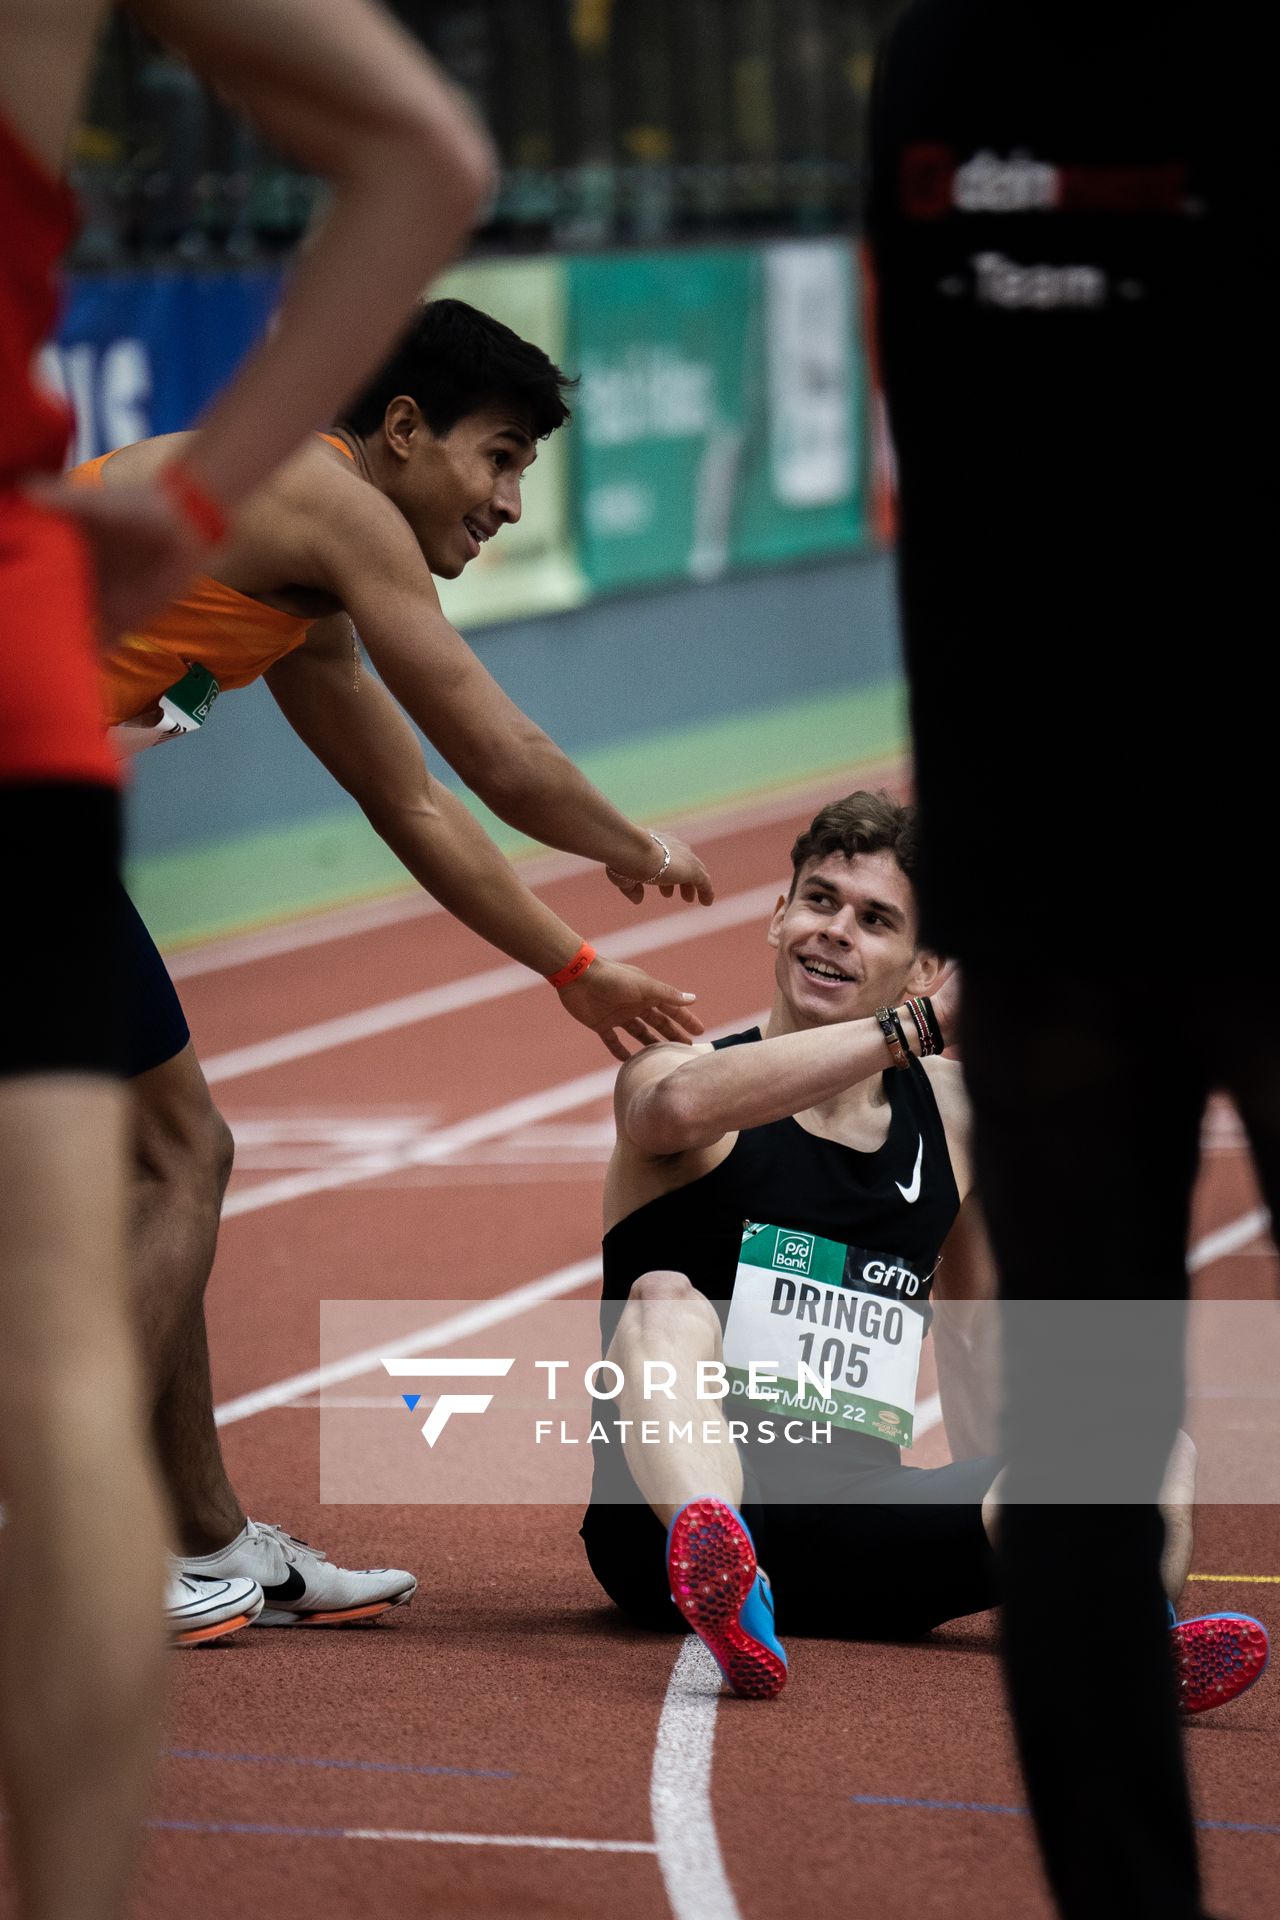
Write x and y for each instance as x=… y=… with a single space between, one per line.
x=793 y=1252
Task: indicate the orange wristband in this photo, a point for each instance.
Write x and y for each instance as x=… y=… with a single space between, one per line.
x=578 y=965
x=198 y=508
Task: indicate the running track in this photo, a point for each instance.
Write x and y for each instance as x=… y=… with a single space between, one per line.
x=406 y=1107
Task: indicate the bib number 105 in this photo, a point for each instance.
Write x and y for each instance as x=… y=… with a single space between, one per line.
x=832 y=1355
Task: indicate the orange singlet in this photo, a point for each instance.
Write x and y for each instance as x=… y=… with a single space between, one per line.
x=50 y=720
x=230 y=634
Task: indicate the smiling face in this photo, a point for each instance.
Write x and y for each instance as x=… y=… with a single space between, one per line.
x=459 y=490
x=846 y=942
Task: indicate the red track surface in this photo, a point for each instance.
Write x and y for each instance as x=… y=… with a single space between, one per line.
x=508 y=1674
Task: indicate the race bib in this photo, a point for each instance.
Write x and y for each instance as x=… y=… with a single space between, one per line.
x=183 y=709
x=804 y=1340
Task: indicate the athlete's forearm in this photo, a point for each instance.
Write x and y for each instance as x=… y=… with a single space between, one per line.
x=348 y=94
x=538 y=790
x=966 y=1337
x=712 y=1094
x=450 y=854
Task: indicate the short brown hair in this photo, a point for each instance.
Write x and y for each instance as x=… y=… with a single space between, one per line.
x=860 y=823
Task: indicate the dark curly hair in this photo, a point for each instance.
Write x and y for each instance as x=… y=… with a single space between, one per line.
x=454 y=360
x=860 y=823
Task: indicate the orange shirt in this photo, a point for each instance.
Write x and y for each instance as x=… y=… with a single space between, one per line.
x=233 y=636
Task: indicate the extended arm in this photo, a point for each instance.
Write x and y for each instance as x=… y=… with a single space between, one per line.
x=348 y=94
x=681 y=1102
x=344 y=90
x=966 y=1336
x=362 y=551
x=363 y=739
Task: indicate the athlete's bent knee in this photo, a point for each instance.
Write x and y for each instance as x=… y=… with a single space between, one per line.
x=662 y=1285
x=184 y=1142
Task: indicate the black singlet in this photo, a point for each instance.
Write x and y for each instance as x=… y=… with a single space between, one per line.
x=783 y=1174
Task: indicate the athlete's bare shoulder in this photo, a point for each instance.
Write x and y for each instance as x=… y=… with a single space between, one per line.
x=637 y=1175
x=654 y=1063
x=293 y=533
x=946 y=1083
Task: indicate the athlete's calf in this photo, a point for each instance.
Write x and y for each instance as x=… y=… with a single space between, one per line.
x=666 y=1331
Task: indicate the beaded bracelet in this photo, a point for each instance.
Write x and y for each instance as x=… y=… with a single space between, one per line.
x=921 y=1027
x=922 y=1011
x=893 y=1037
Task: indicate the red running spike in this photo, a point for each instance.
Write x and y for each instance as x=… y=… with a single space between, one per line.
x=711 y=1565
x=1216 y=1658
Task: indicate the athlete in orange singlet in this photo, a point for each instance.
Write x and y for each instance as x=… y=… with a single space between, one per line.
x=425 y=465
x=81 y=1651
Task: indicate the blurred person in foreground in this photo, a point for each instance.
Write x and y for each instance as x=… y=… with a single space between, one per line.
x=1071 y=301
x=424 y=466
x=83 y=1545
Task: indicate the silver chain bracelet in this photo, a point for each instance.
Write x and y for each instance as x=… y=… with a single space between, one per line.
x=626 y=880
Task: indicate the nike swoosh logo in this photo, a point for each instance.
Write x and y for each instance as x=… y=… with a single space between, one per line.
x=291 y=1588
x=911 y=1193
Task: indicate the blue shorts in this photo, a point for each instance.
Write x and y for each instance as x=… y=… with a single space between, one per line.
x=155 y=1027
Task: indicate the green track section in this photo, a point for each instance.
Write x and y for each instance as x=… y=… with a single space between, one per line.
x=228 y=886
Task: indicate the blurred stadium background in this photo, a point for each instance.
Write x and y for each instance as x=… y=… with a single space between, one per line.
x=697 y=603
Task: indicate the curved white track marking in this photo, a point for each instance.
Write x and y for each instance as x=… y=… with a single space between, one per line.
x=442 y=1333
x=684 y=1828
x=368 y=916
x=1229 y=1239
x=495 y=983
x=527 y=1111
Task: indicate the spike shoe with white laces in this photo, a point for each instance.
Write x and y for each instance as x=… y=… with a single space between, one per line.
x=302 y=1586
x=199 y=1609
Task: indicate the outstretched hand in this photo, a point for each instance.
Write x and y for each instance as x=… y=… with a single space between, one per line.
x=684 y=870
x=611 y=995
x=144 y=552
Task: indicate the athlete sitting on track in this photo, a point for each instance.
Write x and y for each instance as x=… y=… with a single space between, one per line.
x=427 y=464
x=812 y=1130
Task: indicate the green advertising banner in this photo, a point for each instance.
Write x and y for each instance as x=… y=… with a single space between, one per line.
x=531 y=567
x=719 y=418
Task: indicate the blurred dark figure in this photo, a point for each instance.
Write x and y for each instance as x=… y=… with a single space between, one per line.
x=1075 y=255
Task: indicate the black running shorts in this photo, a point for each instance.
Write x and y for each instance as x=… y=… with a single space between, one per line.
x=908 y=1554
x=60 y=957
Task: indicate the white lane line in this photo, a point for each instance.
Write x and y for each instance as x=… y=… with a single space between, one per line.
x=684 y=1828
x=495 y=983
x=547 y=1842
x=551 y=1843
x=441 y=1333
x=527 y=1111
x=1229 y=1239
x=370 y=916
x=928 y=1414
